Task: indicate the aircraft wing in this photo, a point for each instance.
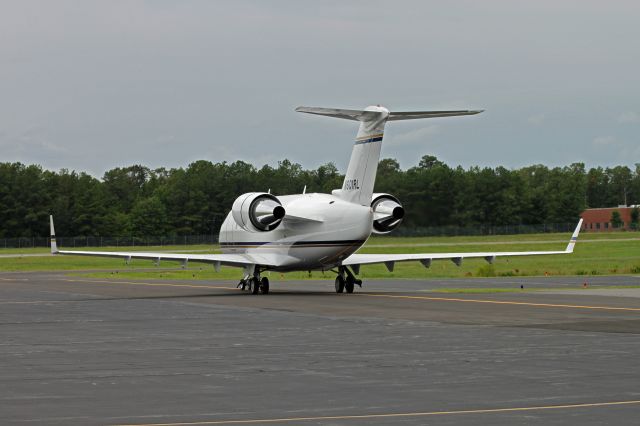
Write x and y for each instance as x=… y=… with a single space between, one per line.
x=355 y=260
x=236 y=260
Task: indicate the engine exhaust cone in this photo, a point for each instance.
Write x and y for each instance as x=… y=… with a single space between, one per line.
x=279 y=212
x=398 y=213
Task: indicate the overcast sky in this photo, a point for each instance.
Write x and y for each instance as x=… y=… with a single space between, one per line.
x=92 y=85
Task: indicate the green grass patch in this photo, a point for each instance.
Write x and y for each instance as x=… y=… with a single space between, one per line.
x=30 y=250
x=486 y=290
x=595 y=254
x=536 y=238
x=483 y=290
x=203 y=274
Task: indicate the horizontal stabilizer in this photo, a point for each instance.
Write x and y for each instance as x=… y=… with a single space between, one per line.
x=346 y=114
x=364 y=115
x=412 y=115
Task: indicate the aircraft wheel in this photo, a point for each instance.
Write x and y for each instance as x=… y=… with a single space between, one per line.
x=264 y=285
x=339 y=284
x=255 y=285
x=349 y=284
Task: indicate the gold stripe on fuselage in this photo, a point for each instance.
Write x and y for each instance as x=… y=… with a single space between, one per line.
x=364 y=138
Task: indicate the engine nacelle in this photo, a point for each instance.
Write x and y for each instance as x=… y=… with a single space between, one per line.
x=387 y=213
x=257 y=212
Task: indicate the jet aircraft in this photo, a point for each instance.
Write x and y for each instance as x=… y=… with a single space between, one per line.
x=312 y=231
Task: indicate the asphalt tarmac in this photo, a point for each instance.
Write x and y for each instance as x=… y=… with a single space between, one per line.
x=87 y=351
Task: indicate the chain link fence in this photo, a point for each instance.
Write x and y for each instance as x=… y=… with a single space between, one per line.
x=453 y=231
x=69 y=242
x=188 y=240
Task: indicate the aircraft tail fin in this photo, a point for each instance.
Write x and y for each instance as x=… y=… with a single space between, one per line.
x=361 y=172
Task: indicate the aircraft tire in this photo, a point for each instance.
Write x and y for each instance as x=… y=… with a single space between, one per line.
x=349 y=284
x=264 y=285
x=339 y=284
x=255 y=286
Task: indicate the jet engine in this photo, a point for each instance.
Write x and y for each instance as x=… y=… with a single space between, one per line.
x=257 y=212
x=387 y=213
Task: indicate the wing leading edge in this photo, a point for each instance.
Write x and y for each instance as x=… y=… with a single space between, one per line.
x=234 y=260
x=364 y=115
x=355 y=260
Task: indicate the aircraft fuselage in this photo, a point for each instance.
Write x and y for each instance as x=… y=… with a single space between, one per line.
x=319 y=231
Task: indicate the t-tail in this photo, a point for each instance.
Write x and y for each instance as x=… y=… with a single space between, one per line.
x=361 y=173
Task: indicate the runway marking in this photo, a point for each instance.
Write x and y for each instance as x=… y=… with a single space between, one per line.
x=39 y=302
x=35 y=302
x=504 y=302
x=147 y=284
x=14 y=279
x=391 y=415
x=390 y=296
x=445 y=299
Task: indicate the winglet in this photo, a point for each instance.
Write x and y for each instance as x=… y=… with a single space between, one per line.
x=54 y=246
x=574 y=238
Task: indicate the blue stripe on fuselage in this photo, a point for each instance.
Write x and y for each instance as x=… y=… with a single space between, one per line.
x=377 y=139
x=294 y=243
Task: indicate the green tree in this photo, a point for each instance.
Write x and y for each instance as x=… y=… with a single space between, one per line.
x=621 y=184
x=597 y=188
x=149 y=218
x=635 y=218
x=429 y=162
x=616 y=220
x=124 y=185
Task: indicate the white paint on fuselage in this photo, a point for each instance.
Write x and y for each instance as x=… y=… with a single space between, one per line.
x=337 y=230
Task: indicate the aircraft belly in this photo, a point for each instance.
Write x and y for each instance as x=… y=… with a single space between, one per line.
x=301 y=256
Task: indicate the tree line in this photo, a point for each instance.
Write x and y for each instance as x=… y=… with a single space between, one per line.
x=139 y=201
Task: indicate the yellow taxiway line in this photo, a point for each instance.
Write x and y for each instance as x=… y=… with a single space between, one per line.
x=391 y=415
x=389 y=296
x=37 y=302
x=445 y=299
x=147 y=284
x=43 y=302
x=502 y=302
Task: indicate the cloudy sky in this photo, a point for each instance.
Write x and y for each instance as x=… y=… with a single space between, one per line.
x=91 y=85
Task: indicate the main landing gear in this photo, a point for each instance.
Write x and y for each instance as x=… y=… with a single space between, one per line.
x=346 y=280
x=255 y=284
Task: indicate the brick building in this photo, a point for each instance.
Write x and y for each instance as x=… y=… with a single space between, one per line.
x=598 y=220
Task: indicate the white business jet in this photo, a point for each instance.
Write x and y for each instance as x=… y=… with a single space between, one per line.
x=310 y=231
